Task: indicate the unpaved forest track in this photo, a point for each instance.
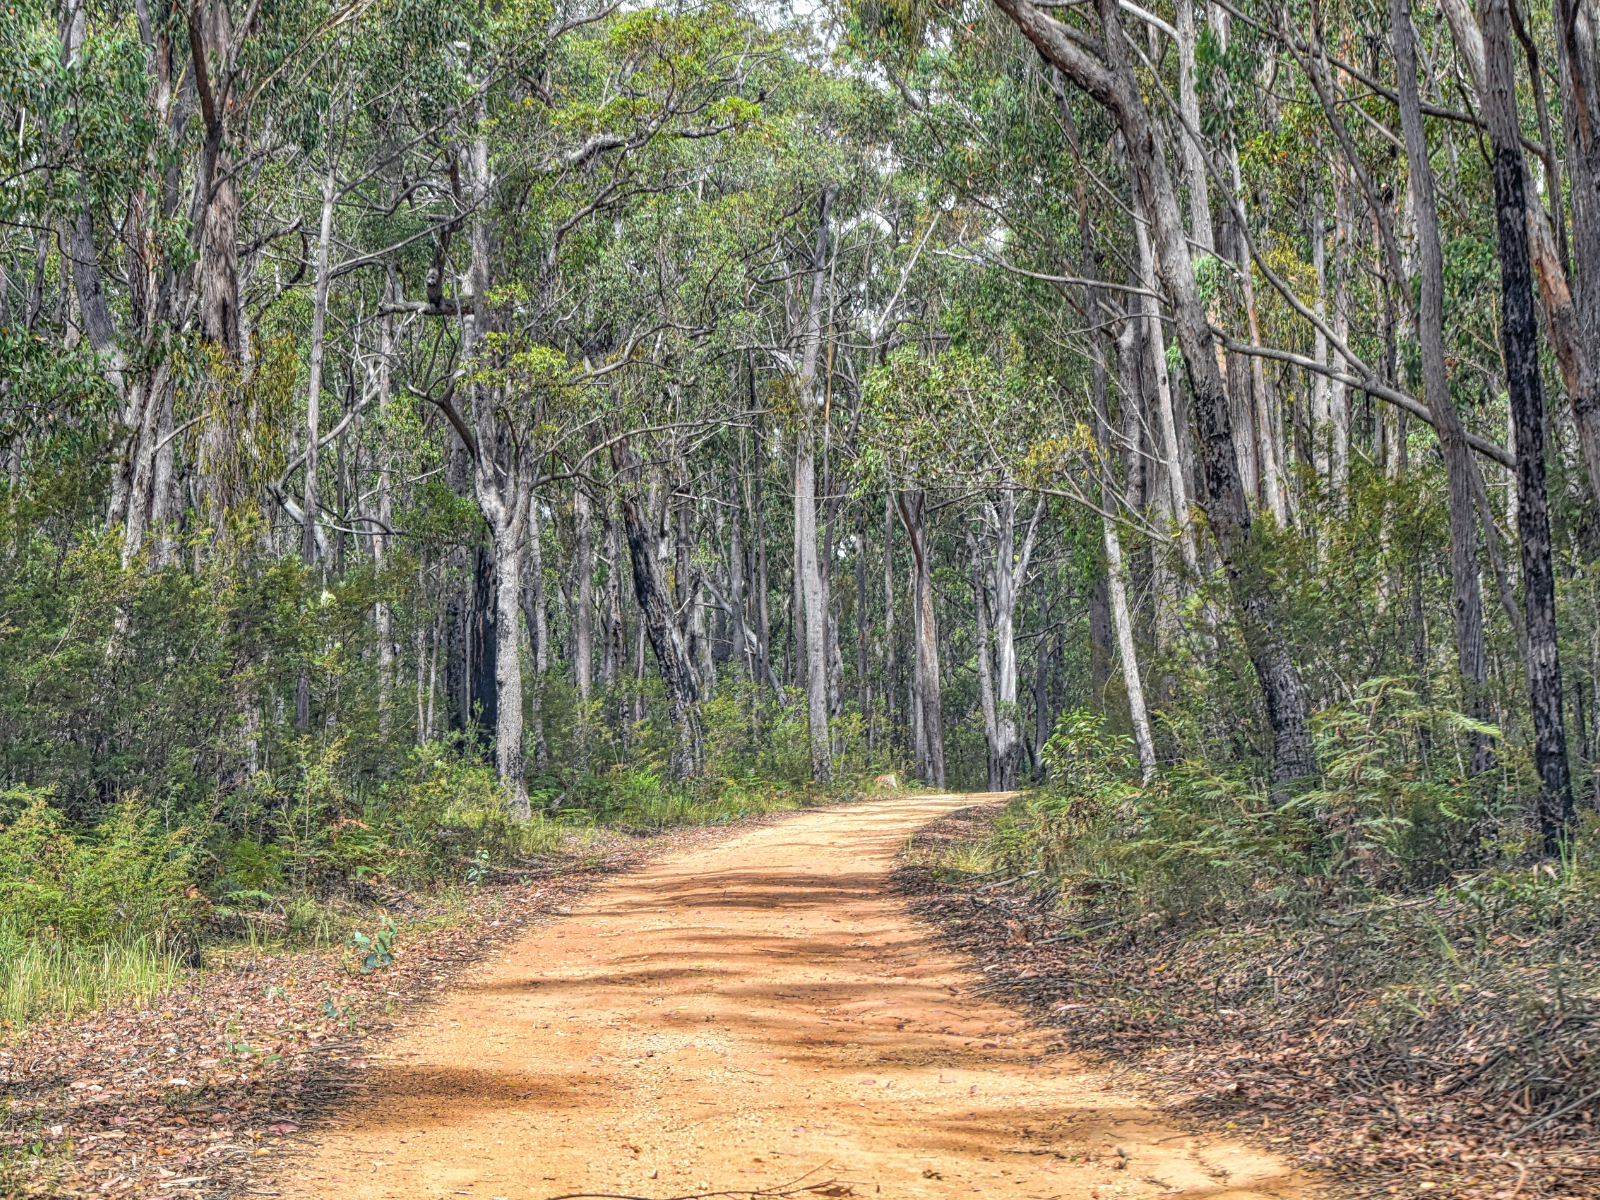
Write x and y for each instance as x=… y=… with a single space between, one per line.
x=738 y=1016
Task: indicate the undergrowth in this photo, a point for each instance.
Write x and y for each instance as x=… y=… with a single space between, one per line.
x=1393 y=933
x=314 y=851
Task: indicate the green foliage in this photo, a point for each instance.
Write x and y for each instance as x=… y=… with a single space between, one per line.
x=49 y=975
x=376 y=951
x=127 y=877
x=1394 y=814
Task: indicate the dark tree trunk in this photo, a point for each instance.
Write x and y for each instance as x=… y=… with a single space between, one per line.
x=657 y=619
x=1520 y=337
x=1100 y=641
x=484 y=697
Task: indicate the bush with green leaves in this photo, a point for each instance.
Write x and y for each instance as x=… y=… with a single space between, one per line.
x=1394 y=811
x=129 y=876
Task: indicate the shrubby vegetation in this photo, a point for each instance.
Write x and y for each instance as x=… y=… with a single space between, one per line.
x=430 y=432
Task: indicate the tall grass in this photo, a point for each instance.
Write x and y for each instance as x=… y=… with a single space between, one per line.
x=44 y=976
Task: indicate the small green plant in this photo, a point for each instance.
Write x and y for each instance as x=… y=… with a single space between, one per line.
x=480 y=867
x=44 y=975
x=378 y=949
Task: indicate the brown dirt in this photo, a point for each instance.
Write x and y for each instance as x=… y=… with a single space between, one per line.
x=756 y=1015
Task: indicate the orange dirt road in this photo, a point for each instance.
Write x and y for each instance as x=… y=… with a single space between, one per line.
x=740 y=1017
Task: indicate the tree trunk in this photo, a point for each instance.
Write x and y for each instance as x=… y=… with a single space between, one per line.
x=1043 y=717
x=583 y=618
x=863 y=688
x=1157 y=354
x=1519 y=335
x=805 y=511
x=482 y=649
x=1011 y=574
x=889 y=674
x=744 y=651
x=612 y=657
x=509 y=761
x=1339 y=402
x=1111 y=83
x=1575 y=354
x=929 y=709
x=980 y=607
x=1116 y=588
x=319 y=317
x=501 y=481
x=383 y=613
x=531 y=594
x=1466 y=599
x=672 y=659
x=1321 y=412
x=1193 y=154
x=1575 y=37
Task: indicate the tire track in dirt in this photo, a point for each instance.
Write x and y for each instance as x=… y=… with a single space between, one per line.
x=740 y=1016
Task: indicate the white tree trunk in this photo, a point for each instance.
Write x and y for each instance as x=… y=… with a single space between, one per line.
x=815 y=649
x=1173 y=460
x=1193 y=155
x=583 y=622
x=383 y=617
x=1130 y=658
x=980 y=608
x=509 y=760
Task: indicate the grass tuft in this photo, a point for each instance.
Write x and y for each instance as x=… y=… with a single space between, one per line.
x=45 y=976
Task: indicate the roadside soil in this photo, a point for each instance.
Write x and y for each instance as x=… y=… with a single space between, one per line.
x=758 y=1014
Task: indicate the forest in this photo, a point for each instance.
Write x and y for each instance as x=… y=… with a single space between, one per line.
x=434 y=430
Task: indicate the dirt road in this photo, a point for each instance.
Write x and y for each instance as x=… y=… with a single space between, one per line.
x=738 y=1018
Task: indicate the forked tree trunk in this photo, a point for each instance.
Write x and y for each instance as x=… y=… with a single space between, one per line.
x=656 y=619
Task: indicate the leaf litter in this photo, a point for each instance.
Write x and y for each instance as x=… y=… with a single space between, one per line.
x=211 y=1089
x=1486 y=1088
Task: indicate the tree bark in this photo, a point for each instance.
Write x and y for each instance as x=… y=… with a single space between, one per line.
x=1193 y=153
x=672 y=659
x=583 y=618
x=805 y=510
x=1575 y=354
x=980 y=607
x=889 y=674
x=319 y=319
x=1157 y=353
x=1110 y=82
x=504 y=489
x=743 y=641
x=1465 y=597
x=1011 y=564
x=383 y=614
x=929 y=712
x=1116 y=587
x=1519 y=335
x=1575 y=37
